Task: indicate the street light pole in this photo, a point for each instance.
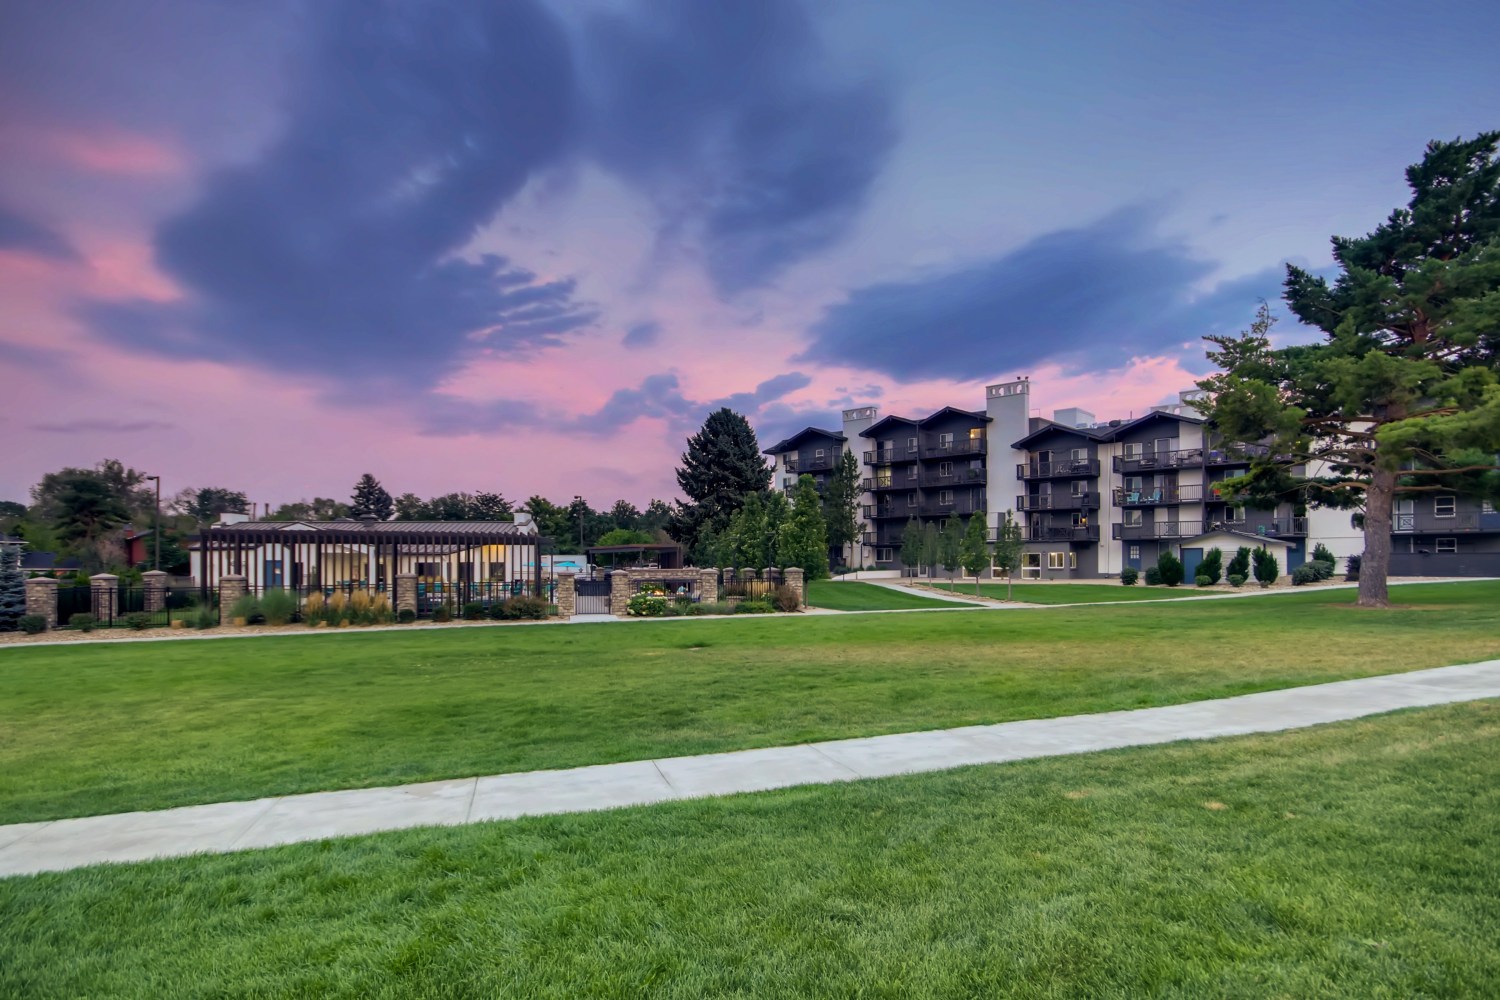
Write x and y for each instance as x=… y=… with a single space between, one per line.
x=156 y=532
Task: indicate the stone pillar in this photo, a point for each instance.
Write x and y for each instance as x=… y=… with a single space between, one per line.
x=793 y=576
x=154 y=583
x=406 y=592
x=708 y=586
x=567 y=595
x=231 y=589
x=619 y=592
x=106 y=596
x=41 y=599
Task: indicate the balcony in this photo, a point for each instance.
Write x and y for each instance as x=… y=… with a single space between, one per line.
x=1281 y=527
x=1239 y=454
x=1181 y=458
x=959 y=477
x=1158 y=496
x=1431 y=524
x=889 y=483
x=887 y=456
x=1158 y=529
x=1057 y=533
x=901 y=510
x=935 y=447
x=1058 y=501
x=1059 y=469
x=878 y=539
x=963 y=505
x=815 y=464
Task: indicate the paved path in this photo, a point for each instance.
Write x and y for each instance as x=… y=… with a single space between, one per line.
x=229 y=826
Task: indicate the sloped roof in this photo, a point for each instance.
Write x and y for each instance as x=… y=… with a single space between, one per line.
x=788 y=444
x=1106 y=432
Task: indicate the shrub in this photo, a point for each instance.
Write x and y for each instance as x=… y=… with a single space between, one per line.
x=138 y=621
x=406 y=616
x=1320 y=570
x=1351 y=569
x=526 y=607
x=83 y=622
x=442 y=613
x=475 y=611
x=1153 y=576
x=1240 y=564
x=1129 y=575
x=315 y=610
x=361 y=608
x=755 y=607
x=646 y=605
x=712 y=608
x=1236 y=580
x=1321 y=553
x=1203 y=580
x=203 y=617
x=277 y=606
x=1267 y=569
x=381 y=612
x=248 y=608
x=786 y=599
x=1306 y=573
x=31 y=624
x=1212 y=567
x=1170 y=569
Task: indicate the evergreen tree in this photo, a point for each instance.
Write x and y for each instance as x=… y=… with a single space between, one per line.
x=12 y=588
x=911 y=544
x=974 y=551
x=1267 y=569
x=1212 y=565
x=778 y=510
x=950 y=545
x=1240 y=564
x=752 y=548
x=841 y=504
x=1403 y=394
x=1008 y=550
x=932 y=547
x=371 y=498
x=804 y=538
x=721 y=466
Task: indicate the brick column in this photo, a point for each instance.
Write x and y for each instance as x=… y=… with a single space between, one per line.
x=794 y=579
x=619 y=592
x=406 y=592
x=41 y=599
x=708 y=586
x=154 y=583
x=105 y=589
x=567 y=595
x=231 y=589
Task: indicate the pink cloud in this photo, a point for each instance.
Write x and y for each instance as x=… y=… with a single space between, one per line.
x=105 y=150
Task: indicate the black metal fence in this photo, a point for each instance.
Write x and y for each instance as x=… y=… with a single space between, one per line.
x=749 y=582
x=455 y=596
x=131 y=606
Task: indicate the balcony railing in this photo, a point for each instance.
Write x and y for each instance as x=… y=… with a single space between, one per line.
x=1281 y=527
x=1057 y=533
x=1239 y=454
x=1158 y=496
x=900 y=510
x=1431 y=524
x=1058 y=469
x=958 y=477
x=1180 y=458
x=934 y=447
x=813 y=464
x=1158 y=529
x=1058 y=501
x=886 y=456
x=958 y=505
x=889 y=483
x=875 y=538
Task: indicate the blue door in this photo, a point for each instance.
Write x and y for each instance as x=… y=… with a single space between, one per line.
x=1190 y=560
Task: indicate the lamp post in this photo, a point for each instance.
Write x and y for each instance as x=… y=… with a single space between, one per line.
x=156 y=531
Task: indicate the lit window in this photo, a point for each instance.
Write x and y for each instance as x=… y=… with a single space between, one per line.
x=1447 y=544
x=1072 y=560
x=1444 y=506
x=1054 y=560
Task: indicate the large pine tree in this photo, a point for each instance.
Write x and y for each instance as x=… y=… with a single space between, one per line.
x=721 y=466
x=1403 y=395
x=371 y=498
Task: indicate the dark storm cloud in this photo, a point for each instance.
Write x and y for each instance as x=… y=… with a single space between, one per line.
x=756 y=153
x=17 y=232
x=658 y=396
x=411 y=125
x=1091 y=298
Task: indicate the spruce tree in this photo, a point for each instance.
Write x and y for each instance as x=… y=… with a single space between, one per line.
x=721 y=466
x=974 y=551
x=749 y=527
x=12 y=588
x=1212 y=566
x=804 y=538
x=371 y=498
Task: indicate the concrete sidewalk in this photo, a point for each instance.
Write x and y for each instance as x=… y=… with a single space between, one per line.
x=58 y=845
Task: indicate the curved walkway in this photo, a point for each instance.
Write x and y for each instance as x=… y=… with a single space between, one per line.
x=26 y=848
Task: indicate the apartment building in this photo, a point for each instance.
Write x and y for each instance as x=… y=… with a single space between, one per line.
x=811 y=451
x=1093 y=497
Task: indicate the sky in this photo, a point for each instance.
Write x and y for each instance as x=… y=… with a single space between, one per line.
x=528 y=246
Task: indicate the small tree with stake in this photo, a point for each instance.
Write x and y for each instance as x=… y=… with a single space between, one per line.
x=950 y=545
x=1008 y=550
x=974 y=552
x=911 y=544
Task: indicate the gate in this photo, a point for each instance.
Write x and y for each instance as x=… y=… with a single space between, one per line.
x=592 y=597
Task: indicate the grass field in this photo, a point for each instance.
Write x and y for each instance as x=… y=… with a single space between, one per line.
x=1354 y=860
x=1031 y=592
x=865 y=597
x=114 y=727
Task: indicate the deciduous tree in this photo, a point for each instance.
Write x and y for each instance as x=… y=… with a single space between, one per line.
x=804 y=539
x=974 y=551
x=1008 y=550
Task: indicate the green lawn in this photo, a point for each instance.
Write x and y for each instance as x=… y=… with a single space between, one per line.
x=1086 y=593
x=1355 y=860
x=115 y=727
x=866 y=597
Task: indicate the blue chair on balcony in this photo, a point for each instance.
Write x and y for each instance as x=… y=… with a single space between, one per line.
x=1133 y=496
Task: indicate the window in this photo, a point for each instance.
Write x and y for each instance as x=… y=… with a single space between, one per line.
x=1132 y=449
x=1134 y=484
x=945 y=497
x=911 y=499
x=1447 y=544
x=945 y=468
x=1234 y=515
x=882 y=555
x=1134 y=518
x=1042 y=457
x=273 y=573
x=1134 y=552
x=820 y=453
x=945 y=440
x=911 y=444
x=1072 y=560
x=976 y=434
x=497 y=572
x=1055 y=560
x=1079 y=454
x=1080 y=487
x=1080 y=520
x=1486 y=507
x=1444 y=506
x=882 y=479
x=428 y=571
